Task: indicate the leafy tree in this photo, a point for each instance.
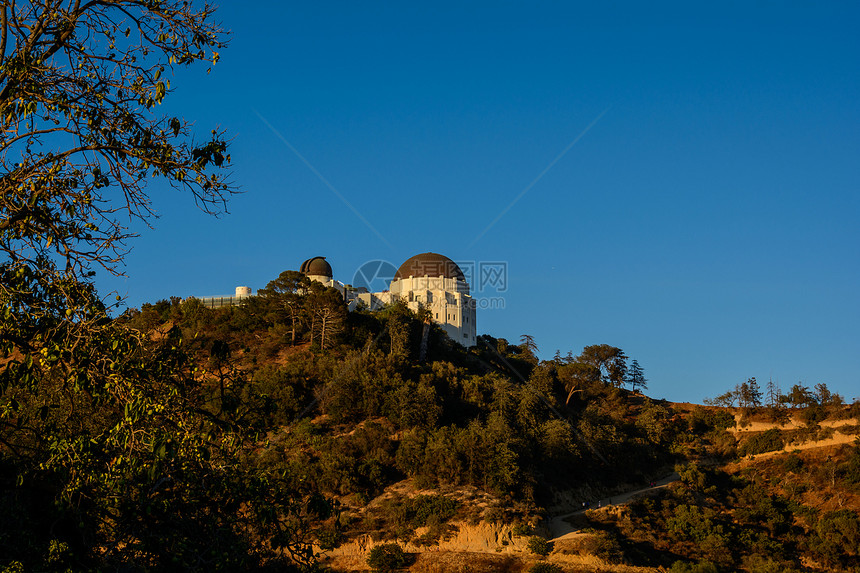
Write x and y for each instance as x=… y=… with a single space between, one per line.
x=800 y=396
x=836 y=537
x=79 y=82
x=725 y=400
x=768 y=441
x=286 y=294
x=140 y=468
x=609 y=360
x=825 y=397
x=403 y=329
x=749 y=394
x=326 y=313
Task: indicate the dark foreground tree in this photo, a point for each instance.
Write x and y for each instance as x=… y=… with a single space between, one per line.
x=116 y=453
x=79 y=82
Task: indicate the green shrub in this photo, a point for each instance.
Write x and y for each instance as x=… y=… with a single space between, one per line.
x=437 y=506
x=523 y=530
x=328 y=539
x=769 y=441
x=700 y=567
x=538 y=545
x=387 y=557
x=792 y=463
x=544 y=567
x=836 y=537
x=761 y=564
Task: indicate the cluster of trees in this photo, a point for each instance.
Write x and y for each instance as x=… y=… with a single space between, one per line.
x=597 y=365
x=304 y=309
x=714 y=521
x=494 y=416
x=750 y=395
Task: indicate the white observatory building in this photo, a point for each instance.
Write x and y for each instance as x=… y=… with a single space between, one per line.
x=428 y=280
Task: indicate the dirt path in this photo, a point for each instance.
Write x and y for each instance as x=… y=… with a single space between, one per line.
x=561 y=528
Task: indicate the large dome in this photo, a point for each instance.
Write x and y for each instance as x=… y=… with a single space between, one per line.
x=429 y=265
x=316 y=266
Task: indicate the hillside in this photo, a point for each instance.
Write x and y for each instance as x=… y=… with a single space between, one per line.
x=477 y=451
x=351 y=449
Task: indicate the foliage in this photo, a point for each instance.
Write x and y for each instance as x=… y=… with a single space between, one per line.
x=129 y=445
x=836 y=537
x=700 y=567
x=119 y=451
x=387 y=557
x=767 y=441
x=78 y=86
x=538 y=545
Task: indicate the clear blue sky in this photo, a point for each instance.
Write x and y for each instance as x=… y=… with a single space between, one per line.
x=706 y=223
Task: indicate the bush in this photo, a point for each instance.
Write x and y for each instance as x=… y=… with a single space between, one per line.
x=538 y=545
x=387 y=557
x=760 y=564
x=769 y=441
x=700 y=567
x=792 y=463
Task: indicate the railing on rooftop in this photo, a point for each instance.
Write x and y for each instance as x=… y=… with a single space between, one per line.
x=214 y=302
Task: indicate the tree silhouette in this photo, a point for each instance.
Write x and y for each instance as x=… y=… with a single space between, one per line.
x=636 y=377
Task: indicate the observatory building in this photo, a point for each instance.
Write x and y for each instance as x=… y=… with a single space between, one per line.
x=427 y=280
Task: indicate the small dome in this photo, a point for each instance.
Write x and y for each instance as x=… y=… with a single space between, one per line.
x=430 y=265
x=316 y=266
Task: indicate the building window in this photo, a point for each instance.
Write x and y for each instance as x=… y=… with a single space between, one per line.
x=465 y=335
x=437 y=316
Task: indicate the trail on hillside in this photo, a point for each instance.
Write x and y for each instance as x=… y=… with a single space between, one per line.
x=561 y=528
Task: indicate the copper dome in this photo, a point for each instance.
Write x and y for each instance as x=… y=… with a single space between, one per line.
x=430 y=265
x=316 y=266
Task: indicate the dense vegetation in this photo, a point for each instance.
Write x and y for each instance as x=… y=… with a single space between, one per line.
x=751 y=520
x=255 y=432
x=493 y=417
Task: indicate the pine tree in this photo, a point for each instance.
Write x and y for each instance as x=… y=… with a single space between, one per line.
x=754 y=396
x=636 y=378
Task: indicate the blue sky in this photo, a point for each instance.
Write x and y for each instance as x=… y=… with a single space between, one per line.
x=704 y=220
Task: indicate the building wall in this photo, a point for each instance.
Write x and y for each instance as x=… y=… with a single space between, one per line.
x=449 y=303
